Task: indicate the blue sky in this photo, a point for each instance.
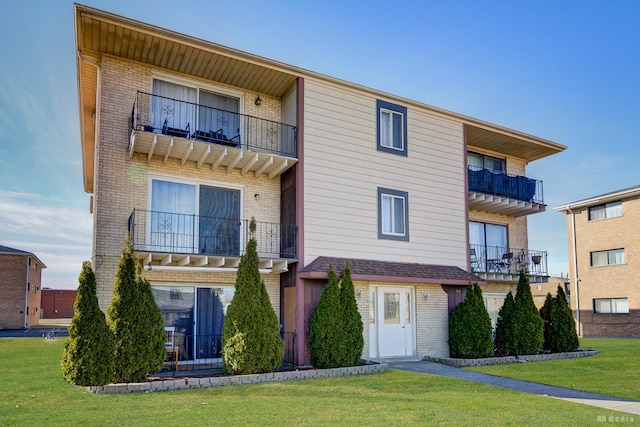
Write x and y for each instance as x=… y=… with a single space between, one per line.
x=564 y=71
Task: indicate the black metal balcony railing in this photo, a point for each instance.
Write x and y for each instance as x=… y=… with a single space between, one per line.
x=158 y=114
x=499 y=183
x=503 y=260
x=166 y=232
x=196 y=352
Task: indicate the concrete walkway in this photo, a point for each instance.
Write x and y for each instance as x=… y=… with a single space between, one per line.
x=571 y=395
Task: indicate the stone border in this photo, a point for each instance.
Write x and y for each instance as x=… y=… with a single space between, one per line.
x=219 y=381
x=461 y=363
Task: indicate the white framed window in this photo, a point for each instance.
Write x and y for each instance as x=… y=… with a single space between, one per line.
x=392 y=128
x=611 y=305
x=393 y=216
x=478 y=161
x=608 y=210
x=610 y=257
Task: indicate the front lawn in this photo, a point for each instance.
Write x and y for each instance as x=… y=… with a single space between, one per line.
x=32 y=392
x=615 y=371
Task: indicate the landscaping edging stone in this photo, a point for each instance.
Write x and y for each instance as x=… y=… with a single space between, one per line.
x=461 y=363
x=219 y=381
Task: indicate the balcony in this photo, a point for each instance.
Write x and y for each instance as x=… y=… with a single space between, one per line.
x=208 y=136
x=164 y=240
x=504 y=264
x=499 y=192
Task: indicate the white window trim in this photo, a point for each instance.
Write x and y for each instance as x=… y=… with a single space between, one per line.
x=391 y=147
x=607 y=252
x=393 y=197
x=611 y=305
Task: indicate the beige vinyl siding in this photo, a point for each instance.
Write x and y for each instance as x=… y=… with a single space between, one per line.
x=343 y=170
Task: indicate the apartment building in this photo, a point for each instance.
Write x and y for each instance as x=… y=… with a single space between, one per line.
x=185 y=140
x=20 y=281
x=603 y=248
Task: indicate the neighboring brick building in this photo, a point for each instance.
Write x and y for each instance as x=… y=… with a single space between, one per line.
x=20 y=280
x=604 y=260
x=185 y=140
x=539 y=291
x=57 y=303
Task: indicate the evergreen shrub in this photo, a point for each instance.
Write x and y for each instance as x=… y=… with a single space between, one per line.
x=527 y=334
x=88 y=356
x=251 y=341
x=134 y=323
x=470 y=332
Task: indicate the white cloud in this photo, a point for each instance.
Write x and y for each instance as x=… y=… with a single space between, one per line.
x=59 y=236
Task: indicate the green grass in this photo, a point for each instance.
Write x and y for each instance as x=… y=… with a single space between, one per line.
x=32 y=392
x=615 y=371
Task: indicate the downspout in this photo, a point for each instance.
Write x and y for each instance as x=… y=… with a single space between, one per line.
x=576 y=279
x=26 y=295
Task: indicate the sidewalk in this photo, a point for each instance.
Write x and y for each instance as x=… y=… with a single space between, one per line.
x=571 y=395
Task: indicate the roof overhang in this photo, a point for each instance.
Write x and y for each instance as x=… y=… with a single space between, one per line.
x=603 y=198
x=509 y=142
x=101 y=33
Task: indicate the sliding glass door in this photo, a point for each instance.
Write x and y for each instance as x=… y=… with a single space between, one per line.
x=192 y=218
x=198 y=315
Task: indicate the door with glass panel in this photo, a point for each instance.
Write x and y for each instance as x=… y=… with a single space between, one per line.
x=395 y=323
x=488 y=246
x=219 y=221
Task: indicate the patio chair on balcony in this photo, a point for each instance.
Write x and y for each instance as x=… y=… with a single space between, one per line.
x=171 y=347
x=473 y=260
x=505 y=264
x=181 y=133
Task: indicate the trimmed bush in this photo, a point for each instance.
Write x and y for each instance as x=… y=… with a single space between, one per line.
x=326 y=326
x=153 y=326
x=470 y=327
x=560 y=327
x=527 y=324
x=88 y=356
x=565 y=324
x=133 y=323
x=251 y=341
x=353 y=341
x=547 y=319
x=504 y=325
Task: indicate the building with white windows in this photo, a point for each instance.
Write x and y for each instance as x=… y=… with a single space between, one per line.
x=185 y=140
x=604 y=246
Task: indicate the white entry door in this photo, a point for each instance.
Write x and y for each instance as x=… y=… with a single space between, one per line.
x=395 y=320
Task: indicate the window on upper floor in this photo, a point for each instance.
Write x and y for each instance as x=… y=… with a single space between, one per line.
x=611 y=305
x=608 y=210
x=393 y=214
x=610 y=257
x=392 y=128
x=482 y=161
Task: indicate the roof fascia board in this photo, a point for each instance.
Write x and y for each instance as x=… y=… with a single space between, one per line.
x=603 y=198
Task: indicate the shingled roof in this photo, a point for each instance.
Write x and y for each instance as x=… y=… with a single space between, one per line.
x=6 y=250
x=364 y=269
